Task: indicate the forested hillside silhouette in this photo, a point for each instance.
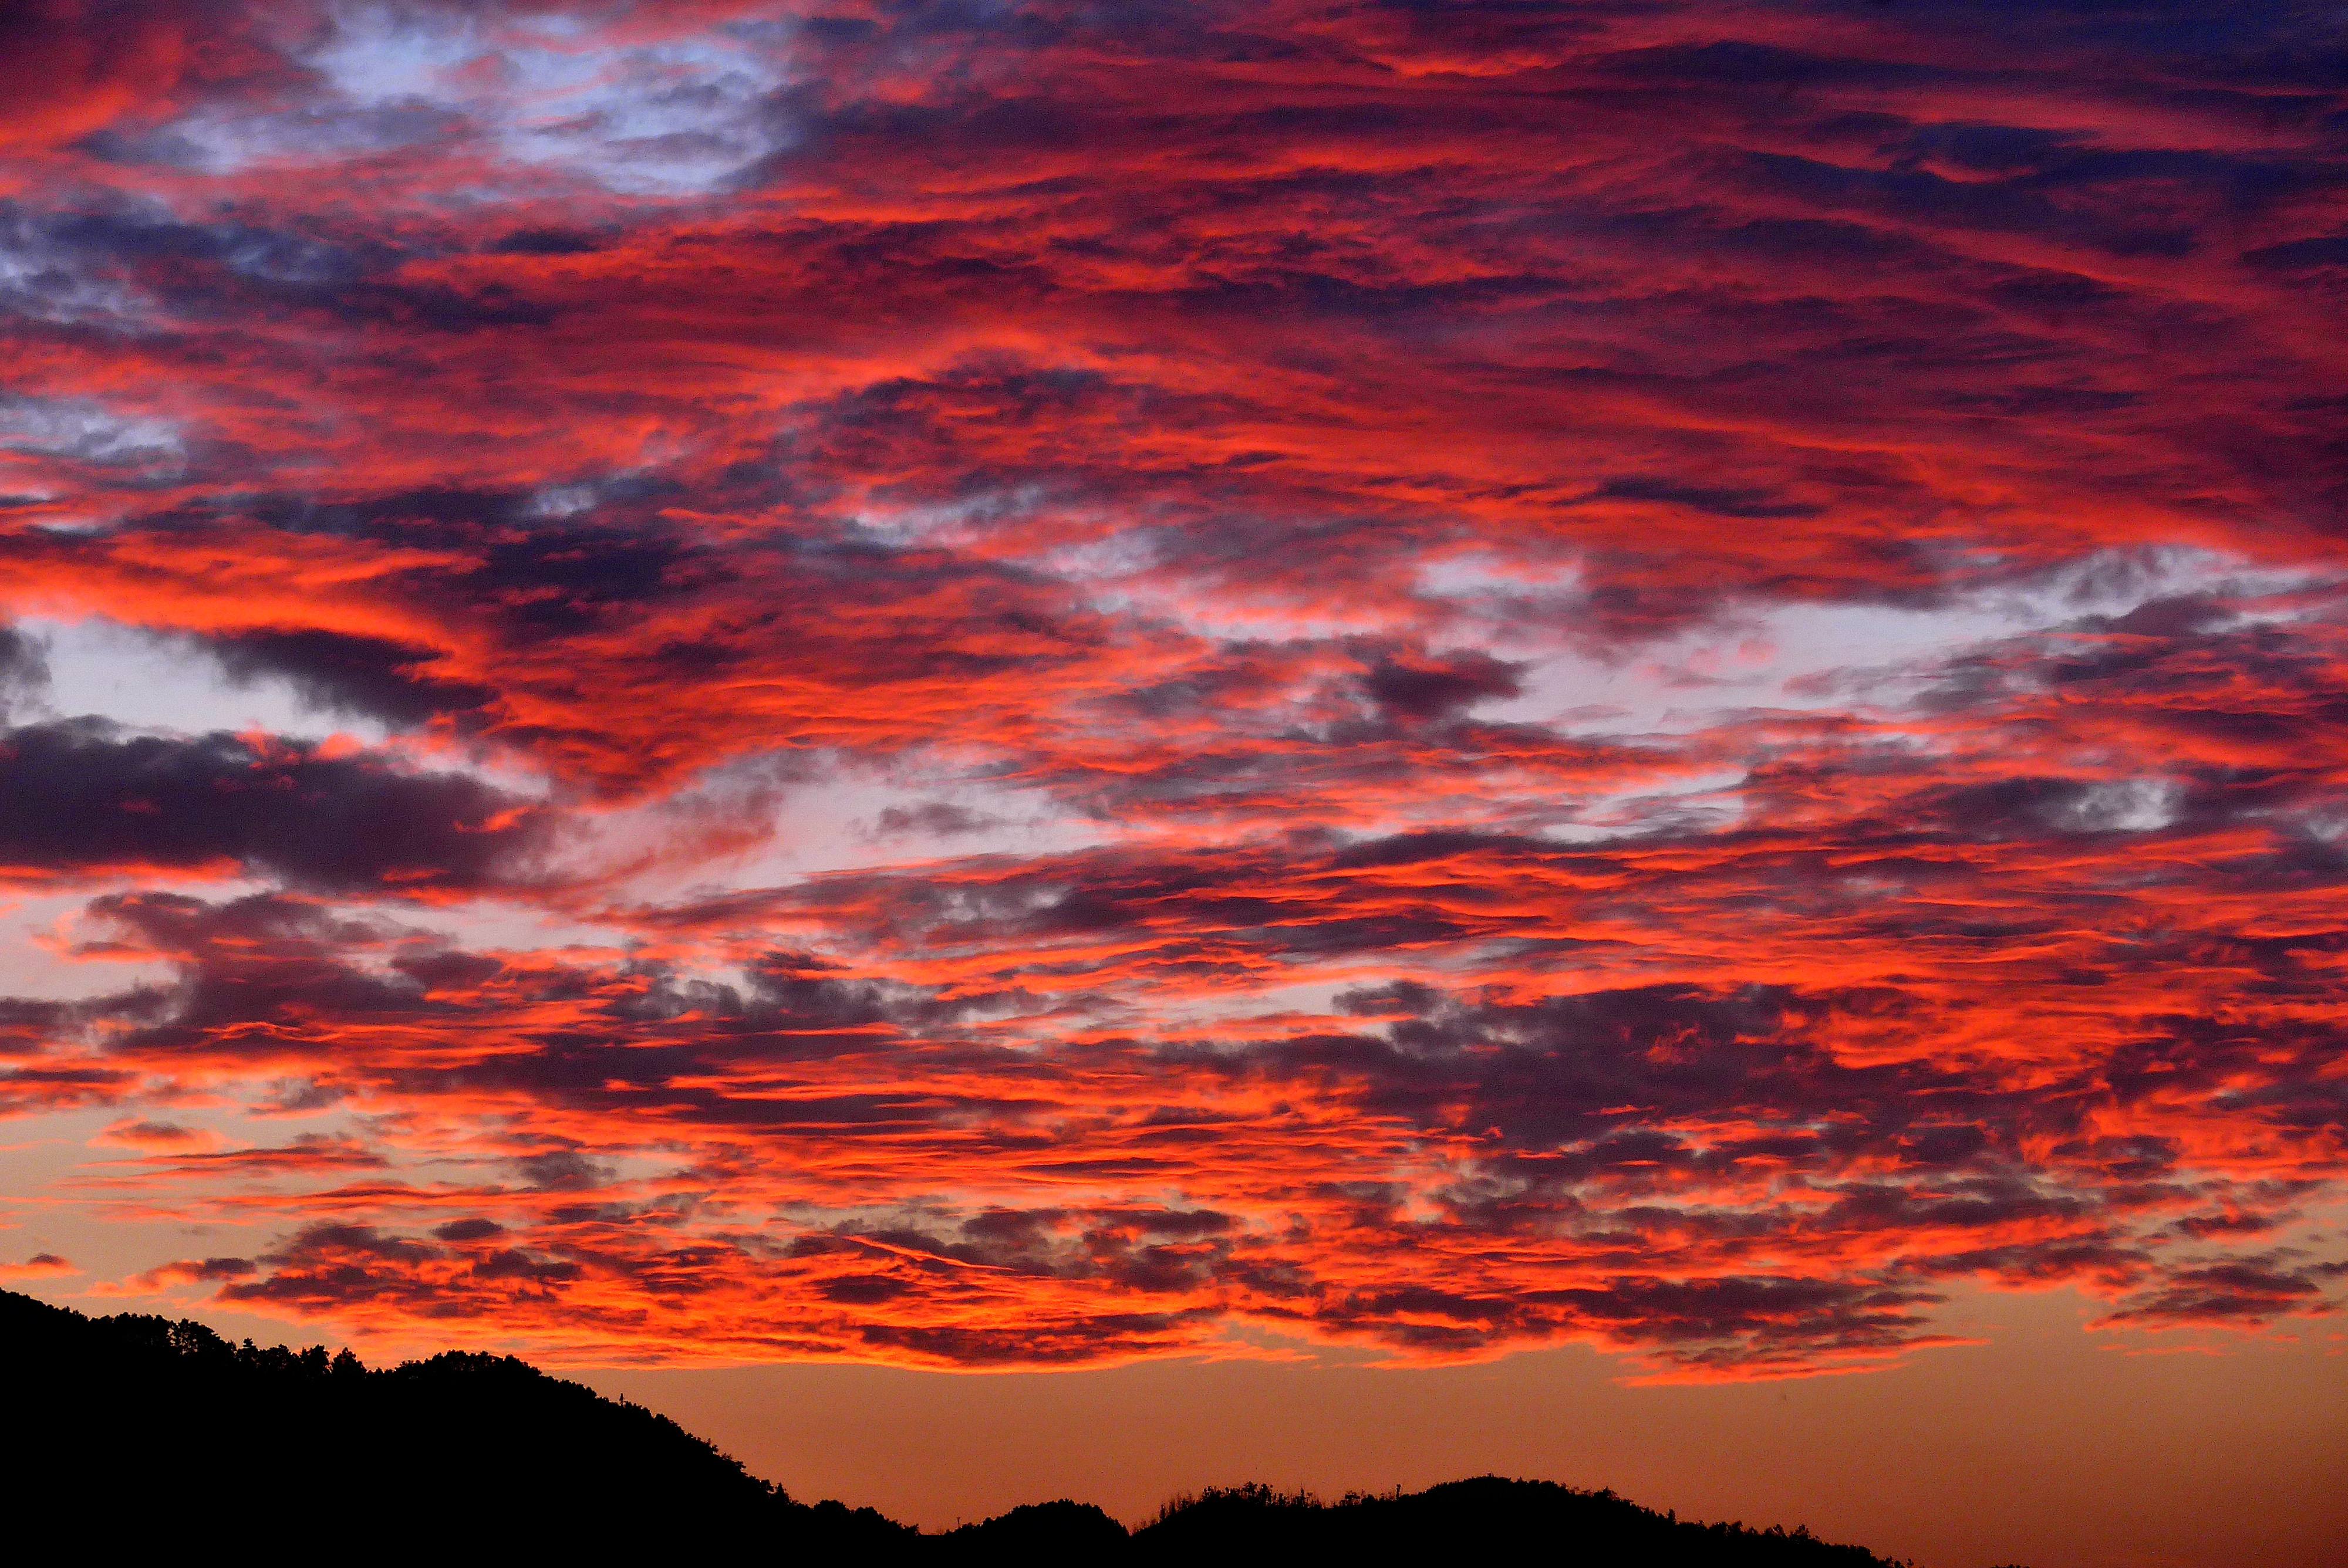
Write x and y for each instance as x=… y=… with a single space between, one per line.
x=139 y=1431
x=145 y=1432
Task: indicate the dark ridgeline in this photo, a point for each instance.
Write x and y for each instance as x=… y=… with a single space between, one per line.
x=136 y=1431
x=1530 y=1520
x=139 y=1431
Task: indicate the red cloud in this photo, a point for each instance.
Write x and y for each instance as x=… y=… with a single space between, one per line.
x=1042 y=690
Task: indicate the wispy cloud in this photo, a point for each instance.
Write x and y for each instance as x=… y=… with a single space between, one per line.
x=1021 y=683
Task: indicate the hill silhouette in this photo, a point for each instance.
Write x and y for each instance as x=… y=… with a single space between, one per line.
x=160 y=1432
x=139 y=1431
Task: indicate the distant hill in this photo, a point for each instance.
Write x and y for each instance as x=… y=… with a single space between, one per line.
x=138 y=1431
x=1530 y=1520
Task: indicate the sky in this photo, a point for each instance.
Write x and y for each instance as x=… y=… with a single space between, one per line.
x=1599 y=707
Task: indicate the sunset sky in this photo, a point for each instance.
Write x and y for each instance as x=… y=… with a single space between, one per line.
x=1602 y=707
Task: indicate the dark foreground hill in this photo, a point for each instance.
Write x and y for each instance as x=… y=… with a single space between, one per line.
x=136 y=1432
x=140 y=1431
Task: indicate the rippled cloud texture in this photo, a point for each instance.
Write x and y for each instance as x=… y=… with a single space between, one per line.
x=1012 y=683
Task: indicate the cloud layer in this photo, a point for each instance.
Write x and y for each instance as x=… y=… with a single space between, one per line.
x=1029 y=682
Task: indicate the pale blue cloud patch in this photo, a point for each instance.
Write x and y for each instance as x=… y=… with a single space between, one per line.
x=82 y=430
x=550 y=94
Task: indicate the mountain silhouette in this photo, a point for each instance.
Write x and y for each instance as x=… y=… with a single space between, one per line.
x=138 y=1433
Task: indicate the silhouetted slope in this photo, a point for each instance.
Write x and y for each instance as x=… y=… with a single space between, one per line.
x=164 y=1431
x=138 y=1431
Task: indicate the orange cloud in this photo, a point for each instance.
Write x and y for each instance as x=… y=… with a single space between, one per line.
x=1022 y=686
